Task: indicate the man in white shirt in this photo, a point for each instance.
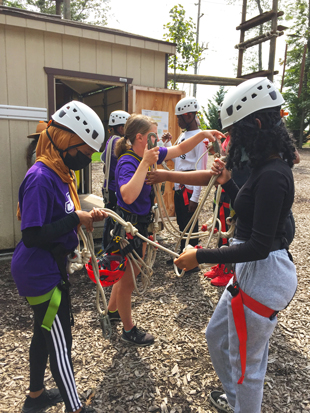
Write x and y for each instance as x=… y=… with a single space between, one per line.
x=186 y=197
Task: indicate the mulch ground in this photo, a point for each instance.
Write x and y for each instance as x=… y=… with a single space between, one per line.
x=174 y=375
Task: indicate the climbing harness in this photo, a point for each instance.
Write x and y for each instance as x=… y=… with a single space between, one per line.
x=240 y=298
x=106 y=160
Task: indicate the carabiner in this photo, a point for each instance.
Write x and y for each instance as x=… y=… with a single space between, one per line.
x=105 y=324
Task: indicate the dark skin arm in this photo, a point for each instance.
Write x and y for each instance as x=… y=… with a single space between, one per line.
x=199 y=178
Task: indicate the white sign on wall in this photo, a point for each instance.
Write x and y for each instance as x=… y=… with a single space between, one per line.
x=162 y=118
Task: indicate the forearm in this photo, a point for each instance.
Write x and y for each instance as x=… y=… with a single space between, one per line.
x=197 y=178
x=40 y=236
x=132 y=189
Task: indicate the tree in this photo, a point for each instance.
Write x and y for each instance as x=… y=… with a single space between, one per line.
x=212 y=113
x=84 y=11
x=183 y=33
x=299 y=105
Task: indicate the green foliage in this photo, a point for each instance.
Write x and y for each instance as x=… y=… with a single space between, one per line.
x=183 y=33
x=211 y=113
x=299 y=107
x=84 y=11
x=203 y=125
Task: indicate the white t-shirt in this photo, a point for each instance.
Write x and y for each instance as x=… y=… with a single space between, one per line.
x=187 y=162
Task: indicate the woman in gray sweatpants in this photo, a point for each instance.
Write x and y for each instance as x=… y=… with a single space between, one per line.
x=265 y=281
x=272 y=282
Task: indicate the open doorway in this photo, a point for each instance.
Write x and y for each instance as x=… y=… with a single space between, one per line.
x=103 y=94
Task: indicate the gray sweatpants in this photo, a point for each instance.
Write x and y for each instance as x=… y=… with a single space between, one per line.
x=272 y=282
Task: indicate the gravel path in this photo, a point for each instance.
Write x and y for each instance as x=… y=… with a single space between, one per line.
x=175 y=374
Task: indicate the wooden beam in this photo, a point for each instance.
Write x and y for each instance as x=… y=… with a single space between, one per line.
x=258 y=20
x=205 y=80
x=261 y=73
x=257 y=40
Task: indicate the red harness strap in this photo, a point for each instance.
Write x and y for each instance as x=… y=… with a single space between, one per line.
x=185 y=193
x=240 y=298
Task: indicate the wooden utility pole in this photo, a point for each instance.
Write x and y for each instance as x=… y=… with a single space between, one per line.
x=197 y=42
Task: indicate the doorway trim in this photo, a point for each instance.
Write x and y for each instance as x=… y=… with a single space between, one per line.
x=54 y=72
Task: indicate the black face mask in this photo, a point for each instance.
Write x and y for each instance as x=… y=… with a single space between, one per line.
x=77 y=162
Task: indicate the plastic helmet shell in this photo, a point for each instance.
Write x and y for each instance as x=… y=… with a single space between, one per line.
x=83 y=121
x=118 y=117
x=186 y=105
x=248 y=97
x=111 y=269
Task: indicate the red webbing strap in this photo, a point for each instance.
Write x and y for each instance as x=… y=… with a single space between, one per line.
x=237 y=303
x=239 y=318
x=185 y=193
x=255 y=306
x=223 y=222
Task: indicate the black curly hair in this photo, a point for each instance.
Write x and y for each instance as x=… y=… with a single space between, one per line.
x=259 y=144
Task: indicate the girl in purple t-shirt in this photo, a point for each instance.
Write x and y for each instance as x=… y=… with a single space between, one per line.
x=134 y=197
x=50 y=213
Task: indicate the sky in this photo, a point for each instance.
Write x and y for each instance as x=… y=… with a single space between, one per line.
x=217 y=28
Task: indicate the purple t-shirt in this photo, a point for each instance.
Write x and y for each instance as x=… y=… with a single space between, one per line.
x=125 y=169
x=43 y=199
x=113 y=163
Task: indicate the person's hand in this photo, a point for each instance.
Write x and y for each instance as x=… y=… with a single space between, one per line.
x=150 y=156
x=187 y=260
x=156 y=177
x=218 y=168
x=86 y=219
x=213 y=135
x=166 y=137
x=98 y=214
x=192 y=206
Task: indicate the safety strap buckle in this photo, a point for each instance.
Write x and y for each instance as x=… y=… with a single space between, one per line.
x=233 y=289
x=273 y=315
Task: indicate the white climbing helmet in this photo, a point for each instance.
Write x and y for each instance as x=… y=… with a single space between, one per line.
x=186 y=105
x=248 y=97
x=83 y=121
x=118 y=117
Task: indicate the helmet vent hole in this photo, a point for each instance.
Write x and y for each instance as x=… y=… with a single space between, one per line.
x=244 y=99
x=95 y=134
x=87 y=130
x=260 y=87
x=62 y=113
x=77 y=118
x=254 y=95
x=229 y=110
x=273 y=95
x=84 y=122
x=238 y=107
x=74 y=110
x=268 y=86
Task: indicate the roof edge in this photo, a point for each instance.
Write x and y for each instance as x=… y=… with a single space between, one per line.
x=50 y=18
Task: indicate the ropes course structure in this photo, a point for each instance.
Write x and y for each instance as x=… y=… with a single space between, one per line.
x=87 y=253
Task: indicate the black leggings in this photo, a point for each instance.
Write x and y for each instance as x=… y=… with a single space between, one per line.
x=57 y=344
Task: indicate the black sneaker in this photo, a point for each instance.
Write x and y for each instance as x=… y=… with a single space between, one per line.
x=219 y=400
x=114 y=316
x=137 y=337
x=47 y=399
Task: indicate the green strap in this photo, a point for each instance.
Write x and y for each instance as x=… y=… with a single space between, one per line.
x=54 y=296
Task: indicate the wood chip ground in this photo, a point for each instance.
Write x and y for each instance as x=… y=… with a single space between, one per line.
x=174 y=375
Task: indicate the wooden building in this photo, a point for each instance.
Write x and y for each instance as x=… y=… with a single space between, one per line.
x=46 y=61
